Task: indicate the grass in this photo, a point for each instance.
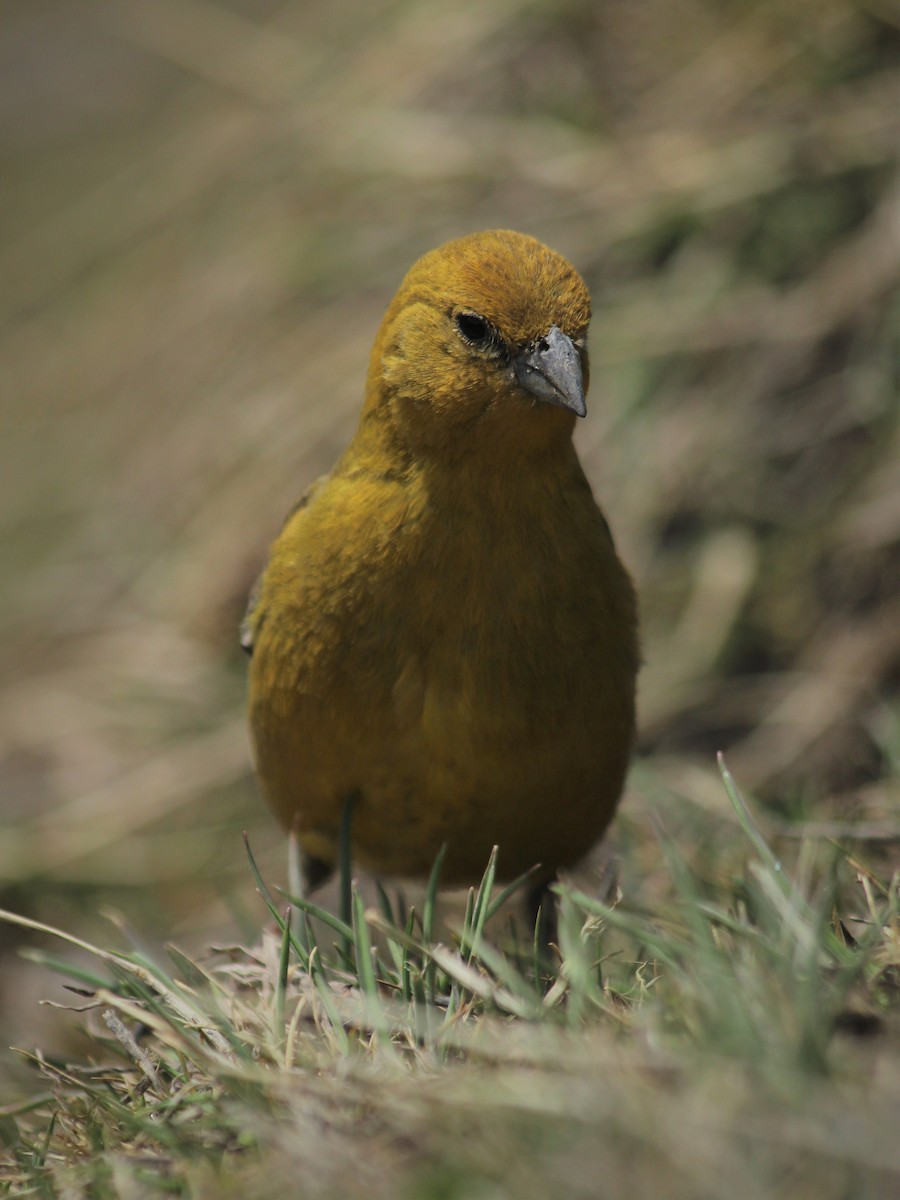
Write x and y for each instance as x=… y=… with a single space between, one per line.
x=720 y=1037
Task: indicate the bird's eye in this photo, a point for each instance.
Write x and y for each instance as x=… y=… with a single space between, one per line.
x=473 y=328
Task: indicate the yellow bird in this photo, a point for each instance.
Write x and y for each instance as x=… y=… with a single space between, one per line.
x=444 y=635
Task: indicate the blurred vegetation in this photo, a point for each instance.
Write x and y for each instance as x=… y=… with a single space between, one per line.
x=205 y=208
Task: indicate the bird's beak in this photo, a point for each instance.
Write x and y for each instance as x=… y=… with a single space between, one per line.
x=550 y=369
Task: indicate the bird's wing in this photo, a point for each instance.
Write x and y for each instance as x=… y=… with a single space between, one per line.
x=252 y=617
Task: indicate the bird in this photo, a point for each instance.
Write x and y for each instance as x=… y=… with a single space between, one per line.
x=444 y=638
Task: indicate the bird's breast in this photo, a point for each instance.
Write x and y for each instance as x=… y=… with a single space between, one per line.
x=454 y=664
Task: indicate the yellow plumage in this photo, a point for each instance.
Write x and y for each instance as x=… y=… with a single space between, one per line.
x=444 y=631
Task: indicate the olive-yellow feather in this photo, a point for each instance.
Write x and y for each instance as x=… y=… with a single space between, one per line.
x=444 y=632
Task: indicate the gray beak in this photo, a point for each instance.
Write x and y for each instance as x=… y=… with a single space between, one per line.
x=551 y=370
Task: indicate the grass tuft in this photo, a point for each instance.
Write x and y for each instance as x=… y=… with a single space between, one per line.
x=386 y=1058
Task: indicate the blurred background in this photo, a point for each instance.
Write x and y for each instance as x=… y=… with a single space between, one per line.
x=205 y=206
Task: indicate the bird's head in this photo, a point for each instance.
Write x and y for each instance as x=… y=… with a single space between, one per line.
x=485 y=340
